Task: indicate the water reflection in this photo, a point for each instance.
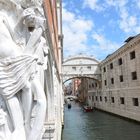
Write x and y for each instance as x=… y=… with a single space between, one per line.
x=97 y=125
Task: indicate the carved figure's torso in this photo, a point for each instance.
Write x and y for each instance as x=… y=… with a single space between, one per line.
x=7 y=45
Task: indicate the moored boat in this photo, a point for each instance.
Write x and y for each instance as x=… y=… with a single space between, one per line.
x=69 y=105
x=87 y=108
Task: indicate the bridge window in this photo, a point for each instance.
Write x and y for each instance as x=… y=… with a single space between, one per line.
x=135 y=101
x=122 y=100
x=89 y=67
x=74 y=68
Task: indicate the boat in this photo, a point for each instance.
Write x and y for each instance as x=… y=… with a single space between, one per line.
x=87 y=108
x=69 y=105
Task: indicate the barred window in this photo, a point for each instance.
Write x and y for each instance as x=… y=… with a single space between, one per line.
x=120 y=61
x=132 y=55
x=134 y=75
x=135 y=101
x=112 y=80
x=111 y=65
x=122 y=100
x=104 y=69
x=105 y=99
x=121 y=78
x=112 y=99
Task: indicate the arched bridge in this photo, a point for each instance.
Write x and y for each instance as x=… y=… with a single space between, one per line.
x=80 y=66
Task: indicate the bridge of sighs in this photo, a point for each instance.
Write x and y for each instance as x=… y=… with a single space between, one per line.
x=80 y=66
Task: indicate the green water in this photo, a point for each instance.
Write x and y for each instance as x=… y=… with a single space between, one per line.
x=97 y=125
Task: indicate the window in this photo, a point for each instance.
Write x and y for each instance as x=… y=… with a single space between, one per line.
x=120 y=61
x=132 y=55
x=105 y=82
x=111 y=65
x=92 y=98
x=112 y=99
x=105 y=99
x=121 y=78
x=74 y=68
x=135 y=101
x=95 y=84
x=96 y=98
x=112 y=80
x=122 y=100
x=89 y=67
x=104 y=69
x=92 y=85
x=134 y=75
x=100 y=98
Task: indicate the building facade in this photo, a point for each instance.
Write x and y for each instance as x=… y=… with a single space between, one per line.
x=75 y=84
x=54 y=120
x=80 y=68
x=120 y=81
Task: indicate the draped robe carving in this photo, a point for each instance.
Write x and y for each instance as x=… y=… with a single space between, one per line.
x=17 y=74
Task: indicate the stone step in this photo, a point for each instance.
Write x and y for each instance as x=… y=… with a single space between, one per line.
x=49 y=131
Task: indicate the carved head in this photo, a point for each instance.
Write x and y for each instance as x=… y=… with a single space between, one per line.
x=33 y=18
x=29 y=20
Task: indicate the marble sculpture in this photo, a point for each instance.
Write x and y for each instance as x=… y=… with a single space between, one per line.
x=21 y=33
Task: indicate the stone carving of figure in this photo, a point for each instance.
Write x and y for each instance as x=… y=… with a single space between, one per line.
x=18 y=80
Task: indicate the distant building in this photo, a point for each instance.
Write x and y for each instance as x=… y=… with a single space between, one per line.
x=75 y=82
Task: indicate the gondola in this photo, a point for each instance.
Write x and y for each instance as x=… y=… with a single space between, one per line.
x=69 y=106
x=87 y=108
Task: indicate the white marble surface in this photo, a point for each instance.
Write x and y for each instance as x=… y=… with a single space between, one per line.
x=20 y=35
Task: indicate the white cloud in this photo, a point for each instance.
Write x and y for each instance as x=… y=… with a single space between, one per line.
x=127 y=22
x=93 y=4
x=104 y=44
x=137 y=3
x=116 y=3
x=75 y=31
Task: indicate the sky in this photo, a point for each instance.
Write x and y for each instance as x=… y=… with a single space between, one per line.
x=98 y=27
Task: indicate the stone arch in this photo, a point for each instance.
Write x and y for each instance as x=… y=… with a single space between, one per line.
x=79 y=78
x=81 y=66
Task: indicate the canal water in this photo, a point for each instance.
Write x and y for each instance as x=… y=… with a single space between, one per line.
x=97 y=125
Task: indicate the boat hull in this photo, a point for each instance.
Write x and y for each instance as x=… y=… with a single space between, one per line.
x=87 y=109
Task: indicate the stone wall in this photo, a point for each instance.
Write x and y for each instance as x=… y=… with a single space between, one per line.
x=120 y=92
